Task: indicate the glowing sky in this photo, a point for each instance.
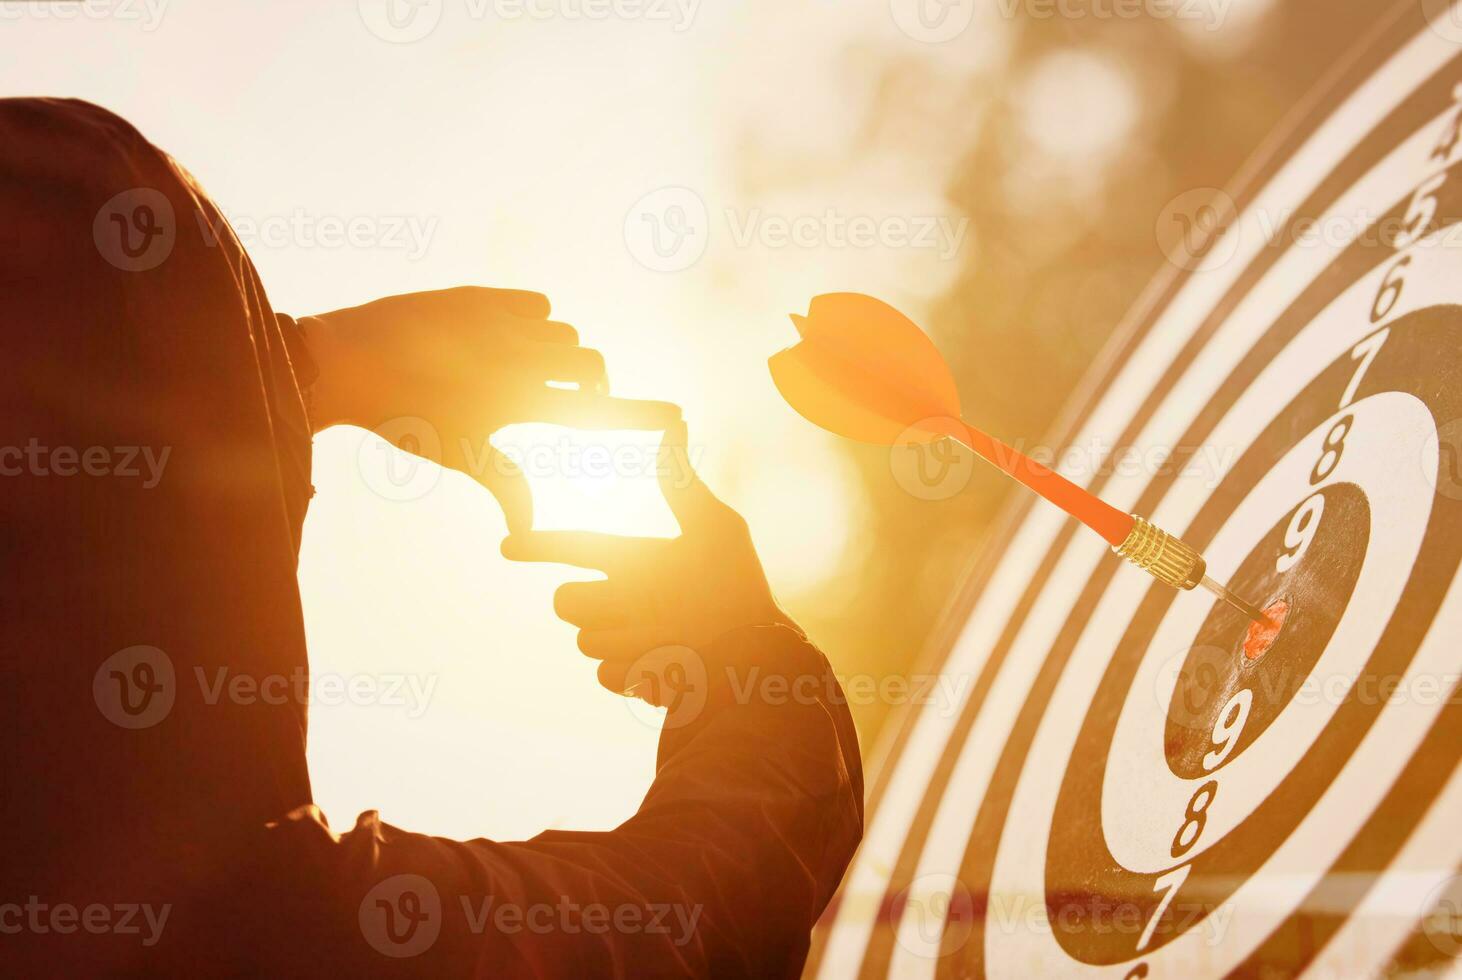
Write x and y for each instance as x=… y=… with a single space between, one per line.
x=520 y=152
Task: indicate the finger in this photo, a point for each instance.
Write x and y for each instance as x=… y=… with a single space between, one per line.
x=479 y=302
x=525 y=303
x=690 y=500
x=614 y=676
x=625 y=675
x=585 y=410
x=582 y=366
x=551 y=331
x=519 y=302
x=585 y=549
x=507 y=483
x=623 y=645
x=666 y=675
x=595 y=605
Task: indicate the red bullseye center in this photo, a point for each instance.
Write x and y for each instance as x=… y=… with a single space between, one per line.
x=1260 y=636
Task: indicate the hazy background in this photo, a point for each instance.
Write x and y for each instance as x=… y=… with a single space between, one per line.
x=677 y=177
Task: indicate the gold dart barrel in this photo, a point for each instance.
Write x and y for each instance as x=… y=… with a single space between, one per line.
x=1172 y=562
x=1165 y=557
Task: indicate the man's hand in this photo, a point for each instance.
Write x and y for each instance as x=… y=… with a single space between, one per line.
x=468 y=362
x=685 y=591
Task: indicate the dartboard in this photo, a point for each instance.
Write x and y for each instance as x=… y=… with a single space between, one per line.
x=1131 y=784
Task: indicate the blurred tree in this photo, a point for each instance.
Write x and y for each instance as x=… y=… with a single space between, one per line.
x=1092 y=127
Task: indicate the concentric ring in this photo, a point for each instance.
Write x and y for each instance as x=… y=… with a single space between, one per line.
x=1008 y=797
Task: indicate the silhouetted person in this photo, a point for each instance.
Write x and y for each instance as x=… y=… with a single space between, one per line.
x=154 y=475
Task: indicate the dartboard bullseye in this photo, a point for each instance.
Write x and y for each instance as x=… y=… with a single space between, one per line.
x=1140 y=782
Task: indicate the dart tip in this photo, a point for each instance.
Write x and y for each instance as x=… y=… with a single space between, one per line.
x=1248 y=609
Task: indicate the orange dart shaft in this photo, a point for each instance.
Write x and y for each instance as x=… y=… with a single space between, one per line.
x=1106 y=520
x=1163 y=556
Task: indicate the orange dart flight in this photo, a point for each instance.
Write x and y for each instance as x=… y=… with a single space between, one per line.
x=865 y=371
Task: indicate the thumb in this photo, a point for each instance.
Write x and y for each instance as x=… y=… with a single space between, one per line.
x=690 y=500
x=506 y=482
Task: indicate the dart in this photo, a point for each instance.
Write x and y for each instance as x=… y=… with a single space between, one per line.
x=865 y=371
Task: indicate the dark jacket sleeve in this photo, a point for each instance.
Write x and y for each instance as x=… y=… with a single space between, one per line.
x=753 y=815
